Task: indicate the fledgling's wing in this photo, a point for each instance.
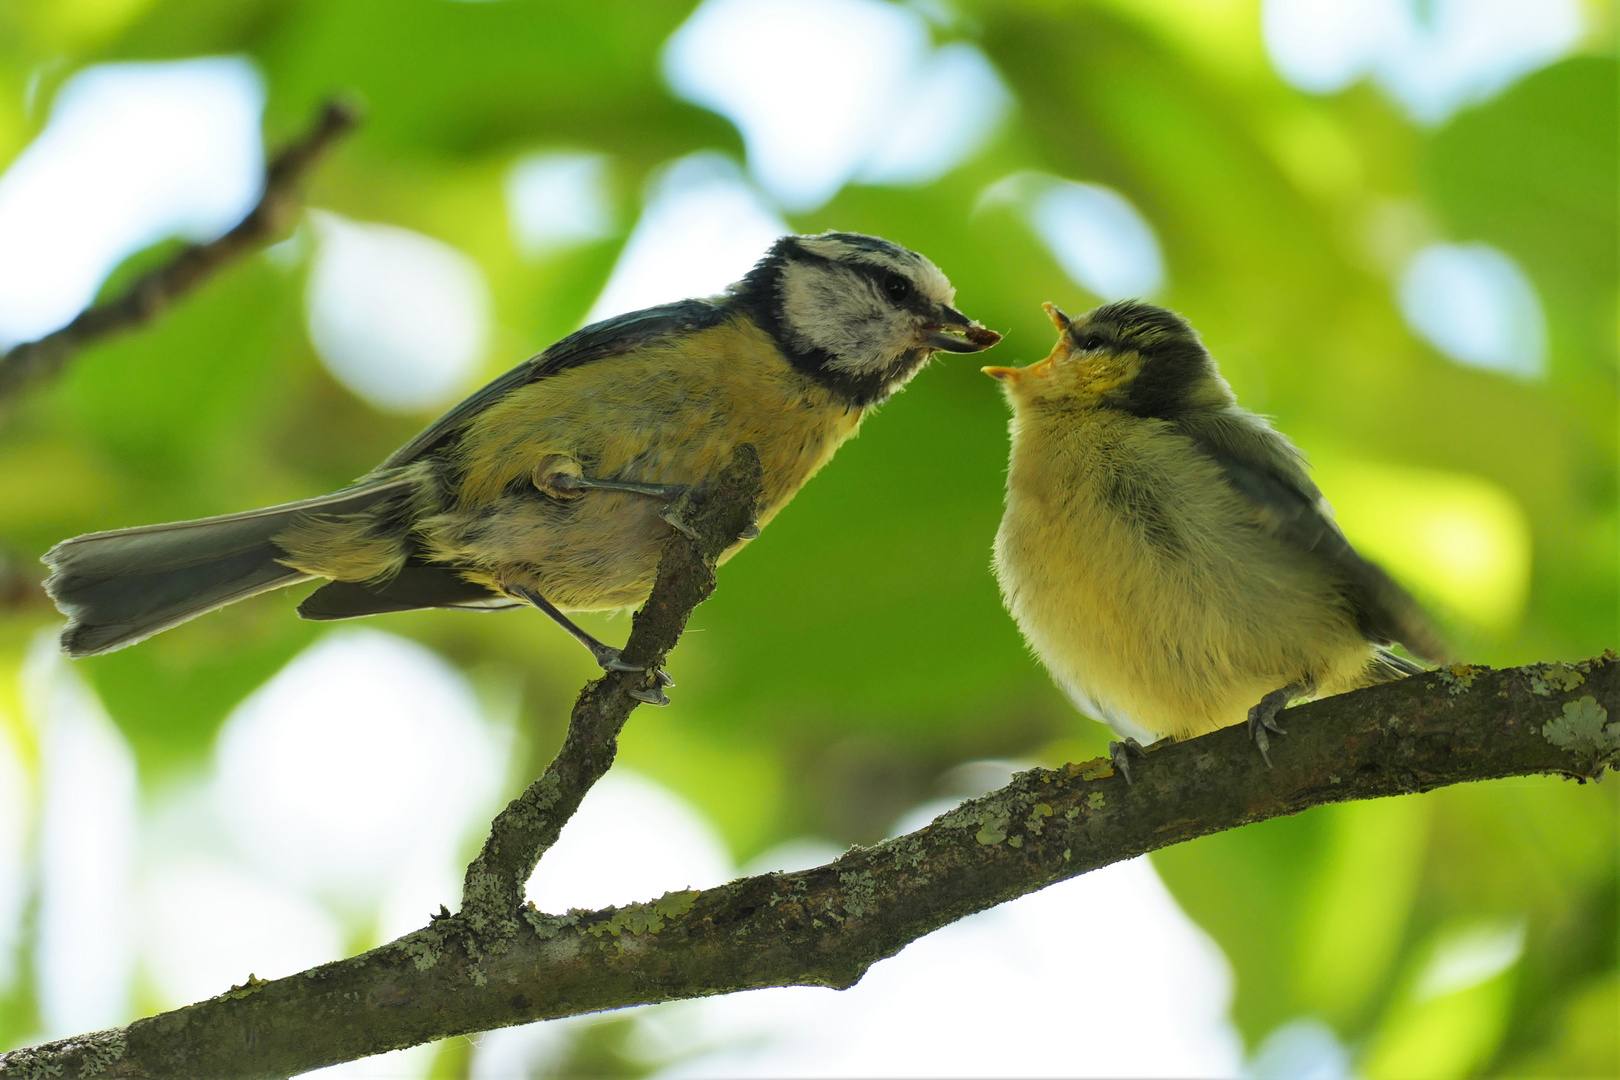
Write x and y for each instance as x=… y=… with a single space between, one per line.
x=598 y=341
x=1269 y=472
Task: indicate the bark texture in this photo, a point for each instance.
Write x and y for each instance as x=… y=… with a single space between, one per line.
x=470 y=972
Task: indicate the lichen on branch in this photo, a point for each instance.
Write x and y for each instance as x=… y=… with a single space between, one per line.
x=828 y=925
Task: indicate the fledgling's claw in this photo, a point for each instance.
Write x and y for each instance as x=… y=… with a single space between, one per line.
x=1263 y=718
x=1120 y=754
x=1257 y=731
x=750 y=531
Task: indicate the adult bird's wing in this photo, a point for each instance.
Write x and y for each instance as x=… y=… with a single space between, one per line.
x=598 y=341
x=1269 y=472
x=420 y=585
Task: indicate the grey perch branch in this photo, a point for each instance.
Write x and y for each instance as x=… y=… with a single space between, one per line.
x=152 y=292
x=20 y=589
x=496 y=963
x=493 y=891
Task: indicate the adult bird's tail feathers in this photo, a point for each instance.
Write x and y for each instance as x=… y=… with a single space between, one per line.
x=1386 y=665
x=120 y=587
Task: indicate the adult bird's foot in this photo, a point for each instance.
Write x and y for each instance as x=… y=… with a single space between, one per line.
x=1120 y=754
x=672 y=516
x=610 y=660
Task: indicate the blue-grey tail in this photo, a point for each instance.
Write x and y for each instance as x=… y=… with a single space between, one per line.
x=121 y=587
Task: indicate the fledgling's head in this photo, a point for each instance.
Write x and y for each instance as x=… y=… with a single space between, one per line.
x=859 y=313
x=1127 y=355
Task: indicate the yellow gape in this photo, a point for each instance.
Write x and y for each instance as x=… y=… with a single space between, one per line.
x=1164 y=551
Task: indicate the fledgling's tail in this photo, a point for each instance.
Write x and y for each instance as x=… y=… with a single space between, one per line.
x=117 y=588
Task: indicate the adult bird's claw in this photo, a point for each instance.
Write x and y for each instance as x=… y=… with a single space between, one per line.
x=652 y=695
x=614 y=663
x=1120 y=754
x=673 y=517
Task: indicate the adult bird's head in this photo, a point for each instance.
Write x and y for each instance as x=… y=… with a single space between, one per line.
x=859 y=313
x=1127 y=355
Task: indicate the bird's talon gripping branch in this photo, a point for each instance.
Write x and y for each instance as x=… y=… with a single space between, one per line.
x=1120 y=754
x=672 y=515
x=650 y=695
x=613 y=662
x=607 y=657
x=1257 y=732
x=1263 y=715
x=750 y=531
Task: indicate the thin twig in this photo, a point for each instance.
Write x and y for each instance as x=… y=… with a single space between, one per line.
x=32 y=362
x=20 y=590
x=825 y=927
x=492 y=894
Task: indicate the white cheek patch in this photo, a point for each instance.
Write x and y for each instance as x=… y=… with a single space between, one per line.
x=836 y=310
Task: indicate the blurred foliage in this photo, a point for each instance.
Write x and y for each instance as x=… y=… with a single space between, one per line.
x=859 y=650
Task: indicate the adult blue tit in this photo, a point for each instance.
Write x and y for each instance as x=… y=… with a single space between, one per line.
x=549 y=486
x=1165 y=552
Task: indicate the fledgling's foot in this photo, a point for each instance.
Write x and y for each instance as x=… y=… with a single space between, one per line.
x=1263 y=719
x=1120 y=754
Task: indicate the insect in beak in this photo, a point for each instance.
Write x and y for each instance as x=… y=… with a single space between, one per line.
x=958 y=334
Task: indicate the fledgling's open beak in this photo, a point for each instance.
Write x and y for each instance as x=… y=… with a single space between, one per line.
x=957 y=333
x=1015 y=374
x=1039 y=368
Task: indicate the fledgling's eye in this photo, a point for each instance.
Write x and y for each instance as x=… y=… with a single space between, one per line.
x=1088 y=341
x=897 y=287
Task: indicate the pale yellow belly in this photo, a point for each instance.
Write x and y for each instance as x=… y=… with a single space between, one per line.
x=673 y=417
x=1165 y=640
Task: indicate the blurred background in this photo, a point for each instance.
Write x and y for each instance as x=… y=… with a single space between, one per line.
x=1394 y=222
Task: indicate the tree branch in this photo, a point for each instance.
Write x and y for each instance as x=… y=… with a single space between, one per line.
x=20 y=590
x=825 y=927
x=492 y=893
x=147 y=297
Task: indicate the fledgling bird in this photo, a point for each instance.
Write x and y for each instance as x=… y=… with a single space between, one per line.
x=1164 y=551
x=550 y=486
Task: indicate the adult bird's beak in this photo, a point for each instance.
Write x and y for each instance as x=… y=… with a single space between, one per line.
x=957 y=333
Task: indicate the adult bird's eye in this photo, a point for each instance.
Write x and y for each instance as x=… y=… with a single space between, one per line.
x=897 y=287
